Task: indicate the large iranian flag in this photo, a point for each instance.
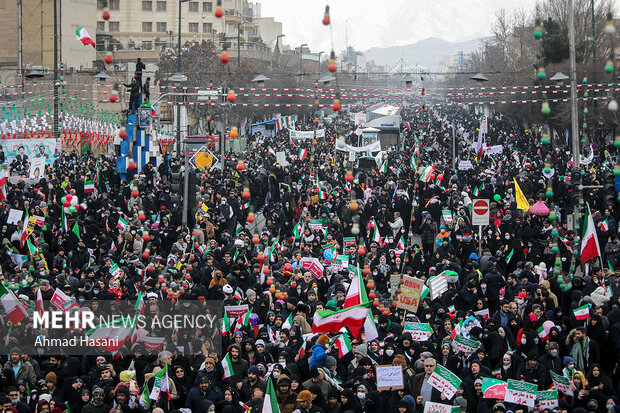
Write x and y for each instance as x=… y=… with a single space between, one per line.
x=12 y=307
x=82 y=35
x=160 y=385
x=227 y=366
x=357 y=292
x=589 y=241
x=113 y=336
x=270 y=401
x=329 y=321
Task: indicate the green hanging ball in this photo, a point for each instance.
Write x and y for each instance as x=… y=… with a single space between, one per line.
x=538 y=33
x=585 y=94
x=560 y=280
x=555 y=248
x=542 y=75
x=547 y=169
x=583 y=173
x=44 y=228
x=558 y=262
x=544 y=141
x=576 y=252
x=549 y=195
x=609 y=67
x=545 y=110
x=585 y=126
x=72 y=209
x=552 y=215
x=554 y=233
x=557 y=271
x=497 y=198
x=585 y=110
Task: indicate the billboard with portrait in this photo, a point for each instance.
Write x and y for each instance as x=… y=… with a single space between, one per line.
x=25 y=150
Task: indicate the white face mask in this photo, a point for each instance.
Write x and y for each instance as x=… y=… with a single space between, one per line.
x=520 y=301
x=275 y=374
x=361 y=395
x=282 y=362
x=389 y=352
x=554 y=352
x=523 y=340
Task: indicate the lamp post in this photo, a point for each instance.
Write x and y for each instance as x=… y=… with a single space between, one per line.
x=179 y=74
x=179 y=79
x=301 y=49
x=319 y=69
x=239 y=42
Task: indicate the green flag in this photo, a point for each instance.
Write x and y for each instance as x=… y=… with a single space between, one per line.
x=76 y=230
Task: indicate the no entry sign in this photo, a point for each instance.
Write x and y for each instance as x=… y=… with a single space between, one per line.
x=480 y=212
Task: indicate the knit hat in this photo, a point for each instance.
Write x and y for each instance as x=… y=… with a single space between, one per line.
x=51 y=377
x=323 y=340
x=461 y=402
x=330 y=361
x=304 y=396
x=126 y=376
x=568 y=360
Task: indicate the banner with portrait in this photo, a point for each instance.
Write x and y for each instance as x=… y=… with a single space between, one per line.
x=37 y=168
x=25 y=150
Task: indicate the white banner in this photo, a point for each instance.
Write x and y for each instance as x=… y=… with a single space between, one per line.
x=373 y=147
x=304 y=135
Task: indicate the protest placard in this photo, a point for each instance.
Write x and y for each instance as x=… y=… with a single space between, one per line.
x=493 y=388
x=236 y=311
x=15 y=215
x=389 y=378
x=465 y=345
x=547 y=399
x=445 y=381
x=418 y=331
x=410 y=291
x=561 y=383
x=432 y=407
x=521 y=392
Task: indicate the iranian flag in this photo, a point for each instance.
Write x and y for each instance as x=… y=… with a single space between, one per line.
x=227 y=366
x=370 y=328
x=288 y=323
x=139 y=307
x=238 y=228
x=357 y=292
x=122 y=224
x=160 y=385
x=89 y=186
x=297 y=231
x=82 y=35
x=589 y=241
x=12 y=307
x=114 y=335
x=322 y=193
x=302 y=154
x=605 y=225
x=39 y=301
x=401 y=244
x=244 y=320
x=542 y=333
x=226 y=322
x=271 y=151
x=425 y=176
x=329 y=321
x=246 y=205
x=344 y=345
x=270 y=401
x=582 y=313
x=384 y=167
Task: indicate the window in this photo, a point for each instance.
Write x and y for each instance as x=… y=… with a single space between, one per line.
x=102 y=4
x=115 y=26
x=207 y=27
x=207 y=7
x=161 y=27
x=193 y=6
x=101 y=26
x=114 y=4
x=147 y=45
x=147 y=27
x=161 y=6
x=147 y=5
x=193 y=27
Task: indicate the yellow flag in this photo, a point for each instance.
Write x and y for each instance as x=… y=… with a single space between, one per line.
x=522 y=203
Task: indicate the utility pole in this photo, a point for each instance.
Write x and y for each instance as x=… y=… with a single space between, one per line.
x=56 y=83
x=573 y=97
x=593 y=36
x=179 y=72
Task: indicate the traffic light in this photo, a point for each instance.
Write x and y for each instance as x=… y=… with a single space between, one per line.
x=176 y=189
x=191 y=191
x=609 y=188
x=575 y=182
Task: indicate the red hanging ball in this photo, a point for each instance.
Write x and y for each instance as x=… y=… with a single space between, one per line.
x=108 y=60
x=146 y=238
x=240 y=166
x=433 y=176
x=326 y=20
x=336 y=106
x=218 y=12
x=231 y=97
x=332 y=67
x=142 y=217
x=134 y=193
x=440 y=177
x=113 y=98
x=250 y=218
x=224 y=58
x=145 y=255
x=245 y=195
x=122 y=134
x=131 y=166
x=361 y=250
x=105 y=15
x=150 y=269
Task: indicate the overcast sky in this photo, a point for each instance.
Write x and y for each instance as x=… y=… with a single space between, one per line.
x=373 y=23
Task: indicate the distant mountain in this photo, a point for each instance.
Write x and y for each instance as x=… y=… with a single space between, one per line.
x=427 y=53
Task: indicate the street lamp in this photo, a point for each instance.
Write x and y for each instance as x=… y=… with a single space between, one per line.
x=559 y=78
x=479 y=78
x=301 y=49
x=260 y=80
x=320 y=53
x=178 y=78
x=239 y=42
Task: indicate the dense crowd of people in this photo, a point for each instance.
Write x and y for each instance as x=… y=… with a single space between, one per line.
x=525 y=272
